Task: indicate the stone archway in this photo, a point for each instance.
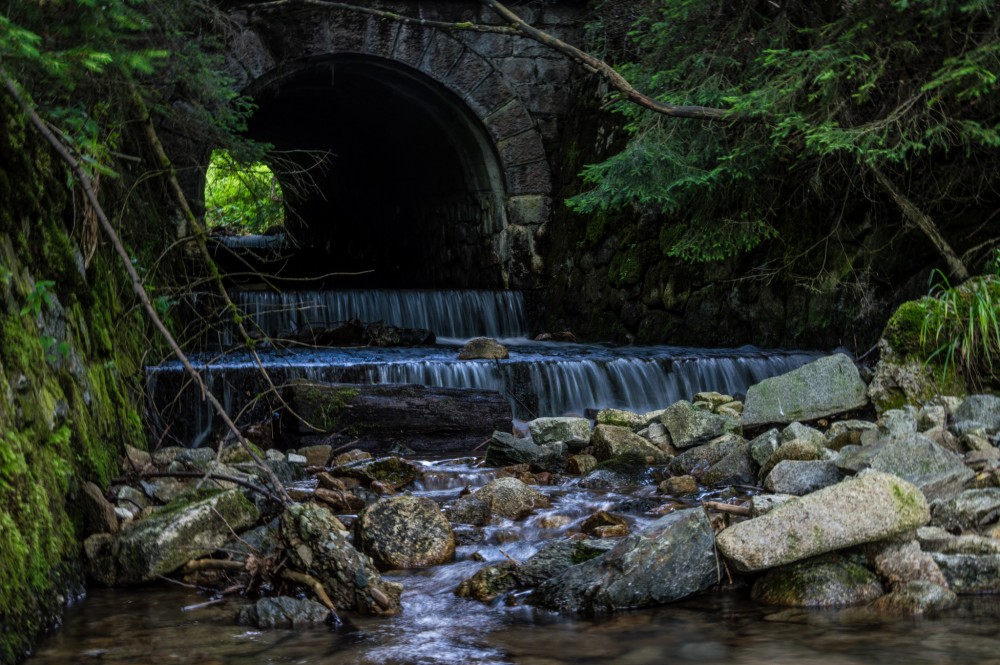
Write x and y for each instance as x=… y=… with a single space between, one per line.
x=462 y=114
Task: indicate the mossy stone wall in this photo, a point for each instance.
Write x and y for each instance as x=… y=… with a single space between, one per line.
x=71 y=345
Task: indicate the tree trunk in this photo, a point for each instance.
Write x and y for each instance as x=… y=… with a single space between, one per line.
x=424 y=418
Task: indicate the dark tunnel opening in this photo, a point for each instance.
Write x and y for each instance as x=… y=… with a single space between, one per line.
x=412 y=192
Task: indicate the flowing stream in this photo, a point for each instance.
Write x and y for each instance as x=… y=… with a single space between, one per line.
x=171 y=624
x=168 y=624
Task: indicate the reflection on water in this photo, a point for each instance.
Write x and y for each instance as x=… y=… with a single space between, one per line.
x=149 y=626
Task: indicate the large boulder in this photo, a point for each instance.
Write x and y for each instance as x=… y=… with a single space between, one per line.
x=690 y=426
x=829 y=581
x=613 y=441
x=505 y=498
x=821 y=388
x=165 y=540
x=869 y=507
x=970 y=573
x=318 y=545
x=506 y=449
x=672 y=558
x=574 y=432
x=405 y=532
x=939 y=473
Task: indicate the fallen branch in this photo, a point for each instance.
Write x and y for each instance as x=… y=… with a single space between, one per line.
x=729 y=508
x=213 y=476
x=315 y=585
x=137 y=286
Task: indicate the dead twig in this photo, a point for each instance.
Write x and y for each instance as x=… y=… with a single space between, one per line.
x=729 y=508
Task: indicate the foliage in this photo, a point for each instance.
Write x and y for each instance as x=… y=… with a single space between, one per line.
x=821 y=94
x=241 y=198
x=78 y=61
x=960 y=330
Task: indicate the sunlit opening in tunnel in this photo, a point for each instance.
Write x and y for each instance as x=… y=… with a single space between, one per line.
x=385 y=172
x=242 y=199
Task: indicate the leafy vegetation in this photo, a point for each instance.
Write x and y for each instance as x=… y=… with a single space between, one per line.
x=241 y=198
x=960 y=330
x=893 y=104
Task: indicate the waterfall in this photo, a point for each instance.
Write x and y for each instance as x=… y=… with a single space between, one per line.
x=449 y=314
x=538 y=380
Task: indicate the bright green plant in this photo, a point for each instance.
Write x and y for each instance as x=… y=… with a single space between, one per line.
x=39 y=296
x=241 y=197
x=961 y=329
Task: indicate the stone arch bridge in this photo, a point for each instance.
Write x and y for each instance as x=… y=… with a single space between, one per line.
x=440 y=141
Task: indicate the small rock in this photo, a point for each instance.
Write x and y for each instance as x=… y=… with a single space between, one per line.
x=339 y=501
x=483 y=348
x=725 y=460
x=690 y=427
x=916 y=597
x=799 y=477
x=295 y=458
x=938 y=473
x=970 y=509
x=898 y=562
x=504 y=497
x=326 y=481
x=282 y=612
x=763 y=446
x=574 y=432
x=354 y=455
x=796 y=449
x=981 y=409
x=620 y=418
x=581 y=465
x=975 y=442
x=847 y=433
x=603 y=519
x=316 y=455
x=98 y=513
x=797 y=430
x=391 y=471
x=970 y=573
x=137 y=459
x=611 y=441
x=714 y=399
x=896 y=424
x=679 y=486
x=930 y=416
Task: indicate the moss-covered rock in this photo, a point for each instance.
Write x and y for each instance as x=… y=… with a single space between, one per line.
x=827 y=582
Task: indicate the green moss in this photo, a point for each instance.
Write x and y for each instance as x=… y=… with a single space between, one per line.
x=902 y=332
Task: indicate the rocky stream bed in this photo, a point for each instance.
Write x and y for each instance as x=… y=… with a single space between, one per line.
x=789 y=526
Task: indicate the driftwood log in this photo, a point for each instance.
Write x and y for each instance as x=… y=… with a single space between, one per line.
x=423 y=418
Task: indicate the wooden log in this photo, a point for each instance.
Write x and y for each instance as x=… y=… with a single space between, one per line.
x=424 y=418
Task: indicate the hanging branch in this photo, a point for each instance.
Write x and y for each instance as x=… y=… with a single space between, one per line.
x=923 y=221
x=88 y=187
x=606 y=71
x=201 y=240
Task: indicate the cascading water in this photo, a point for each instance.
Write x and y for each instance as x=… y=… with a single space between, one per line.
x=450 y=314
x=539 y=379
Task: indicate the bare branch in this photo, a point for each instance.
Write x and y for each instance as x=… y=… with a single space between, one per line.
x=602 y=68
x=137 y=285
